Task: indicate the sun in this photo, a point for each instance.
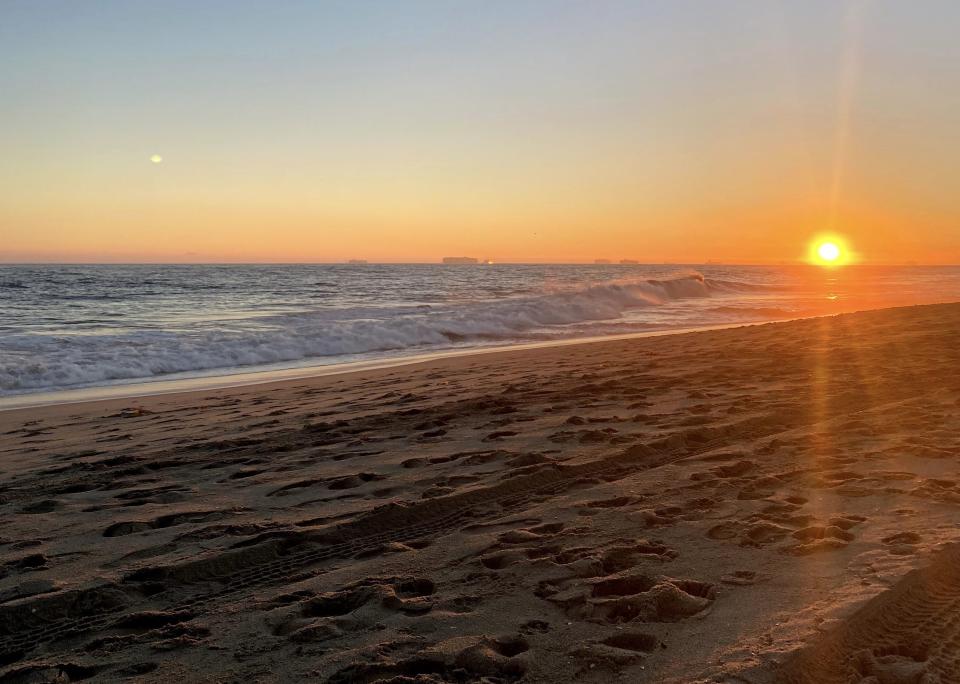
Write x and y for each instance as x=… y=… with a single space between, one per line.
x=828 y=251
x=156 y=158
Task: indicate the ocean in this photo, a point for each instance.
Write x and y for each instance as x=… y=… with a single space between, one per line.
x=73 y=326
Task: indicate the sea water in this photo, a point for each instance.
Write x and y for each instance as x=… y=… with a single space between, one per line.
x=68 y=326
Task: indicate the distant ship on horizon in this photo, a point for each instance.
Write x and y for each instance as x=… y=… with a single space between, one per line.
x=460 y=260
x=357 y=261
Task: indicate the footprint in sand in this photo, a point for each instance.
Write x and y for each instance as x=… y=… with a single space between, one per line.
x=37 y=507
x=742 y=578
x=468 y=658
x=325 y=616
x=121 y=529
x=597 y=561
x=902 y=543
x=623 y=648
x=520 y=544
x=819 y=538
x=622 y=598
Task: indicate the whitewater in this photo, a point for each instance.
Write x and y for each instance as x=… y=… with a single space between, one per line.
x=72 y=326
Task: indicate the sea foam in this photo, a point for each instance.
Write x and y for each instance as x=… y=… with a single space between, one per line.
x=37 y=361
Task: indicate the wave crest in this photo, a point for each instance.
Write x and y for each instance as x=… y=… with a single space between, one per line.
x=34 y=362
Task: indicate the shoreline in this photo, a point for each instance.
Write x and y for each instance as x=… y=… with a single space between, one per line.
x=142 y=388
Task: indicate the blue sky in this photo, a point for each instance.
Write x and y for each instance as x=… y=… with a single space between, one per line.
x=474 y=125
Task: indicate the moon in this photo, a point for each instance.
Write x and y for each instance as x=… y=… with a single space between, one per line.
x=156 y=158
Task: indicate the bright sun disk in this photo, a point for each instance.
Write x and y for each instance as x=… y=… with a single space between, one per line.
x=828 y=251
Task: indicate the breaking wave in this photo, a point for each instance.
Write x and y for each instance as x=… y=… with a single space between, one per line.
x=43 y=361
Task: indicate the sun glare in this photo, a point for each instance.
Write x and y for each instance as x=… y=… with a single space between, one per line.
x=829 y=250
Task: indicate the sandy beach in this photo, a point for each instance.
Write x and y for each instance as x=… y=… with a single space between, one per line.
x=772 y=503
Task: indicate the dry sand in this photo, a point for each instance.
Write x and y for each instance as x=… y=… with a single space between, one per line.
x=763 y=504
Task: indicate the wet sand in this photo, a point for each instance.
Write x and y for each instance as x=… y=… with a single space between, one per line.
x=764 y=504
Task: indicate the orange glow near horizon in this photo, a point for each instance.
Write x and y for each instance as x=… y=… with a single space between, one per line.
x=830 y=251
x=642 y=132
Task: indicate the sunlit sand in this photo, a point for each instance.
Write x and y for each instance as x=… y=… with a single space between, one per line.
x=578 y=511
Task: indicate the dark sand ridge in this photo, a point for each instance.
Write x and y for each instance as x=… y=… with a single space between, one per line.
x=715 y=506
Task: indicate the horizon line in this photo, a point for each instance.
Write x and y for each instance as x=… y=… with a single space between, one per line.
x=366 y=262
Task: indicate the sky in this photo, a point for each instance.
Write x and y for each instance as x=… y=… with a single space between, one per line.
x=517 y=130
